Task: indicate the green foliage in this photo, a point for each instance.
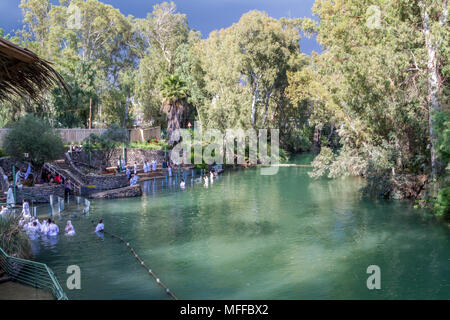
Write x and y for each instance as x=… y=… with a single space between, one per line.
x=13 y=240
x=34 y=137
x=106 y=142
x=173 y=89
x=442 y=204
x=299 y=140
x=442 y=126
x=153 y=144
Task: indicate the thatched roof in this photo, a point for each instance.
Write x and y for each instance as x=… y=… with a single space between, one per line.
x=24 y=74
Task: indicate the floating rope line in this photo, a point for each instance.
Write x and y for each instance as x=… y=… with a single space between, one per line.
x=142 y=263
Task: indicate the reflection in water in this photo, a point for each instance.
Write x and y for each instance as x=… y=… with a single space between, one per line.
x=249 y=236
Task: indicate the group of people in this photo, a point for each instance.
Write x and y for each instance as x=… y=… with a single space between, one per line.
x=48 y=227
x=133 y=177
x=207 y=178
x=149 y=168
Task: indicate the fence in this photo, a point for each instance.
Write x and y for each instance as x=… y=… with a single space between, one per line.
x=31 y=273
x=142 y=135
x=78 y=135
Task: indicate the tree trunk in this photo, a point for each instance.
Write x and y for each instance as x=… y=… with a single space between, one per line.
x=317 y=135
x=126 y=113
x=173 y=123
x=434 y=86
x=254 y=101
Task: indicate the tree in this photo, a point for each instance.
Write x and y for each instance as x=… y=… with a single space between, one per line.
x=106 y=143
x=163 y=32
x=174 y=93
x=33 y=139
x=435 y=30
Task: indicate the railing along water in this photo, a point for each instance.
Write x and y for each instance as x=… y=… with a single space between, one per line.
x=32 y=273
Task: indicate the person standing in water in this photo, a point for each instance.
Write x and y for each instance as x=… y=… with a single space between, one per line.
x=25 y=208
x=53 y=229
x=70 y=230
x=100 y=226
x=182 y=184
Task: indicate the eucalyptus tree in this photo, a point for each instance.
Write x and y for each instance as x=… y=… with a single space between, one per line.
x=90 y=43
x=370 y=80
x=246 y=69
x=162 y=32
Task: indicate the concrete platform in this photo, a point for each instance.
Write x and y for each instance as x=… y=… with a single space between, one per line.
x=15 y=291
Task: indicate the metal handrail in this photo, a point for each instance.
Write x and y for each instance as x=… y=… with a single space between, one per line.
x=32 y=273
x=77 y=185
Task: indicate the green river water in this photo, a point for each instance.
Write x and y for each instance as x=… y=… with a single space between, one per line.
x=250 y=236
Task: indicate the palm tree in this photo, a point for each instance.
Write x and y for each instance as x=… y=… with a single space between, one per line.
x=174 y=93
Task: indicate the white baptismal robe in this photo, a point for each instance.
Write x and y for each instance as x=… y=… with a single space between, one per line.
x=53 y=230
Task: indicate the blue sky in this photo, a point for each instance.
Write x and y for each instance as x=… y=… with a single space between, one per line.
x=202 y=15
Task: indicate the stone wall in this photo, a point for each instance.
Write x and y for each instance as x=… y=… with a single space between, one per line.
x=138 y=155
x=101 y=182
x=127 y=192
x=7 y=163
x=40 y=194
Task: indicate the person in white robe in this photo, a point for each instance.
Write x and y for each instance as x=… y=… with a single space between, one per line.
x=25 y=208
x=144 y=167
x=170 y=170
x=70 y=230
x=182 y=184
x=211 y=177
x=4 y=211
x=32 y=227
x=154 y=165
x=10 y=197
x=206 y=180
x=44 y=226
x=135 y=168
x=100 y=226
x=53 y=229
x=134 y=180
x=28 y=172
x=19 y=178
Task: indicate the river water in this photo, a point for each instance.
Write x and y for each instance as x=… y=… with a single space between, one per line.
x=250 y=236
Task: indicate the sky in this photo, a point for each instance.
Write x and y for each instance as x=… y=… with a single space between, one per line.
x=202 y=15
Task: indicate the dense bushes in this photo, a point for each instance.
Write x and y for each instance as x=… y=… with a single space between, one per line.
x=13 y=240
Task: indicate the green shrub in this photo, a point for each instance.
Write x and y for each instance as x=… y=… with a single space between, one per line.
x=299 y=140
x=13 y=240
x=442 y=204
x=33 y=139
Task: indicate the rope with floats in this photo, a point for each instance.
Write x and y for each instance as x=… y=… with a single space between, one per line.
x=142 y=263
